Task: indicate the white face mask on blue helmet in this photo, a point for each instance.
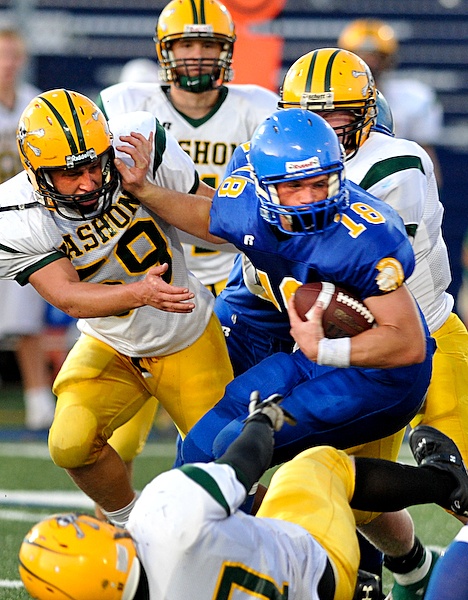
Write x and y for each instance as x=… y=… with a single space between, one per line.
x=297 y=144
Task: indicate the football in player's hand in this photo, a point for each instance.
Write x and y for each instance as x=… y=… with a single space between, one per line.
x=344 y=314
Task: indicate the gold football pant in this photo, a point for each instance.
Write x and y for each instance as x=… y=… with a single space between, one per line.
x=446 y=405
x=100 y=391
x=313 y=490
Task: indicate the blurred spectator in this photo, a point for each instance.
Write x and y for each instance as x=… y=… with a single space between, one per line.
x=22 y=310
x=417 y=113
x=140 y=70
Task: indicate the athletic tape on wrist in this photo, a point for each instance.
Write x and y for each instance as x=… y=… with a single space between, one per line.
x=334 y=353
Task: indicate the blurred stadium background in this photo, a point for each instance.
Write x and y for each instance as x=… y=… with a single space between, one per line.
x=83 y=45
x=78 y=45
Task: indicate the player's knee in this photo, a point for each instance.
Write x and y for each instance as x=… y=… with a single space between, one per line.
x=73 y=437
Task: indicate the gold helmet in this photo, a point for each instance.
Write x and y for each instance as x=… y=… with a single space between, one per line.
x=195 y=19
x=330 y=79
x=77 y=557
x=61 y=130
x=369 y=35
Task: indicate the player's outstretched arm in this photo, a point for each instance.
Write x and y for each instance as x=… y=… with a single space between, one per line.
x=188 y=212
x=59 y=283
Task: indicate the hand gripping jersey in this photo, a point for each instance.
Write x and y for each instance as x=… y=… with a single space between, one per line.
x=117 y=248
x=209 y=141
x=268 y=558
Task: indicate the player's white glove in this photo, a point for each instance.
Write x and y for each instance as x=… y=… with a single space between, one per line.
x=270 y=407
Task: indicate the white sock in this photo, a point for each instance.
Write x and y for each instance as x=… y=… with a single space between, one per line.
x=120 y=517
x=417 y=574
x=39 y=404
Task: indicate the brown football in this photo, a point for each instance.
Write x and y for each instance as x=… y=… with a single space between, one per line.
x=344 y=314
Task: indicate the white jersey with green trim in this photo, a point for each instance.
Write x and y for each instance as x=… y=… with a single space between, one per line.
x=209 y=141
x=116 y=248
x=400 y=172
x=194 y=543
x=10 y=163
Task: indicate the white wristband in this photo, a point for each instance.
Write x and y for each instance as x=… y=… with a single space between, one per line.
x=334 y=353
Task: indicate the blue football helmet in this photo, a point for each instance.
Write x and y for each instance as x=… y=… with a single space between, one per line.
x=384 y=122
x=298 y=144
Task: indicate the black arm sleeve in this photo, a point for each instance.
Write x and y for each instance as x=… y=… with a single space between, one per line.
x=250 y=454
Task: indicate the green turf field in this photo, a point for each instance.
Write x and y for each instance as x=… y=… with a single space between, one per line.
x=31 y=486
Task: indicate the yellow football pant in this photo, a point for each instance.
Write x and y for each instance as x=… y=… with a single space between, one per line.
x=313 y=490
x=217 y=288
x=99 y=391
x=446 y=406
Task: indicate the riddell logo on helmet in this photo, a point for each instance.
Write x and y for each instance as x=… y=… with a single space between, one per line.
x=195 y=28
x=75 y=159
x=302 y=165
x=324 y=98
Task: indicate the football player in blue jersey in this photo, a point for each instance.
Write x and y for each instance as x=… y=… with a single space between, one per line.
x=337 y=84
x=240 y=308
x=298 y=219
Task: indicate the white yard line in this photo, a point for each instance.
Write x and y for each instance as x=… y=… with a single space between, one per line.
x=53 y=499
x=40 y=450
x=8 y=583
x=45 y=499
x=20 y=516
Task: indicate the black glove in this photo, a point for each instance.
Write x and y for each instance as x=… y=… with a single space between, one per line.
x=271 y=409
